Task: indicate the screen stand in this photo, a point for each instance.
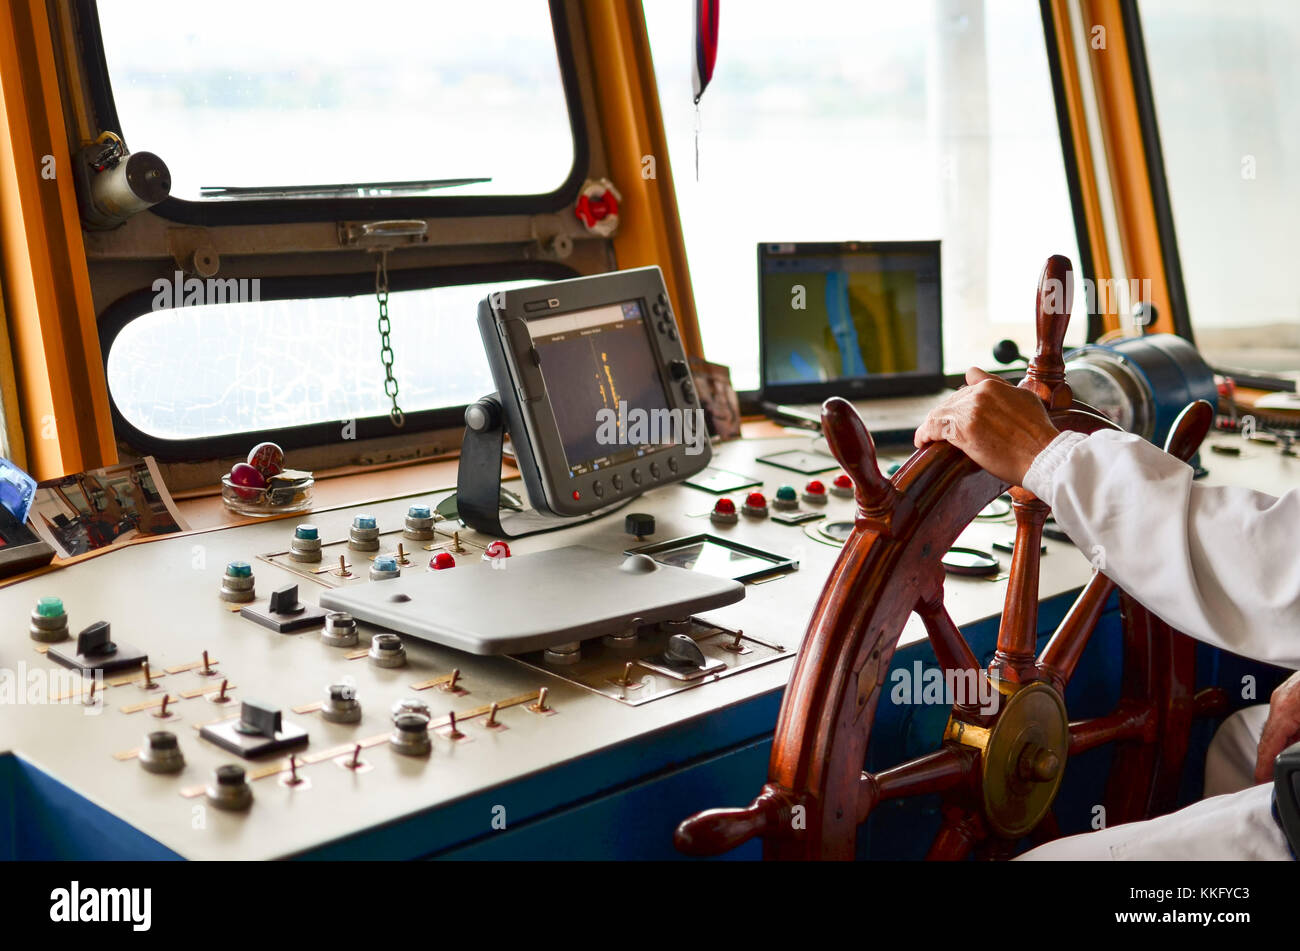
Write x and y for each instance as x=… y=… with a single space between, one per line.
x=478 y=481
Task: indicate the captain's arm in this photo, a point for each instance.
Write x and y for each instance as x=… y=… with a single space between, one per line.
x=1216 y=562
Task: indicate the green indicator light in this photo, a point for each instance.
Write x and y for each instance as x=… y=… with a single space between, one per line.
x=49 y=607
x=786 y=493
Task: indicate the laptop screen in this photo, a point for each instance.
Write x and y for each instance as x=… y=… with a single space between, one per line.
x=853 y=319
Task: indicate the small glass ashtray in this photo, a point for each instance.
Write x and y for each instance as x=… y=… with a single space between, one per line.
x=280 y=499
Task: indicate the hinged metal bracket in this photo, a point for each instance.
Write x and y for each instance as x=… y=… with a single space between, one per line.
x=383 y=235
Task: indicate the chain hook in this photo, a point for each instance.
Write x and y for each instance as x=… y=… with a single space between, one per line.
x=395 y=414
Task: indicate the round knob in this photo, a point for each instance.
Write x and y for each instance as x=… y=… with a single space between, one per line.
x=1038 y=764
x=483 y=415
x=1008 y=351
x=639 y=524
x=161 y=753
x=229 y=788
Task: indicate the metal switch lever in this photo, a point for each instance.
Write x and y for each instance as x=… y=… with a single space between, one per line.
x=285 y=600
x=682 y=651
x=96 y=640
x=258 y=719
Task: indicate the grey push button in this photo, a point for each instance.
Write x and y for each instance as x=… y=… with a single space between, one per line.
x=229 y=789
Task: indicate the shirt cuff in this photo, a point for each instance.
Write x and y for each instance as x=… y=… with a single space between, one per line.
x=1038 y=479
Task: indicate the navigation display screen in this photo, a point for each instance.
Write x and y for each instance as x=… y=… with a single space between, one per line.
x=843 y=312
x=608 y=398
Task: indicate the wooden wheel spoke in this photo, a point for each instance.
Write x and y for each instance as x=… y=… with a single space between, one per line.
x=940 y=771
x=960 y=832
x=949 y=645
x=1018 y=632
x=1062 y=653
x=1129 y=721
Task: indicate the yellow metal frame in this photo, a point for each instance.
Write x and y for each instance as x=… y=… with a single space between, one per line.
x=1085 y=162
x=1126 y=158
x=627 y=104
x=63 y=394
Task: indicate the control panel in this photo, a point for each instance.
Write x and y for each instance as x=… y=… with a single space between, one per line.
x=200 y=688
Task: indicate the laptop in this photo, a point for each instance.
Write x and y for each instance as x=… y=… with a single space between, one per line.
x=857 y=319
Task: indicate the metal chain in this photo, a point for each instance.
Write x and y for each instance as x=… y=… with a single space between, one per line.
x=385 y=345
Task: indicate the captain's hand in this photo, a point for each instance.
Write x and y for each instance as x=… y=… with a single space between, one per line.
x=1001 y=427
x=1282 y=727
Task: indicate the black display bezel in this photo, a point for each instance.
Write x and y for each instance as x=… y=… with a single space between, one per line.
x=504 y=322
x=898 y=384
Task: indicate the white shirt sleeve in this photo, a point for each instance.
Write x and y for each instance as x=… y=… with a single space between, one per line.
x=1217 y=562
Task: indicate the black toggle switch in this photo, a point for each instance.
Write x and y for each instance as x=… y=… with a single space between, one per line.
x=96 y=640
x=96 y=650
x=258 y=719
x=285 y=600
x=284 y=613
x=682 y=651
x=258 y=731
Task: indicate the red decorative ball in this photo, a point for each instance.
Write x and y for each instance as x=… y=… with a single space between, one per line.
x=725 y=507
x=267 y=458
x=442 y=560
x=756 y=500
x=242 y=474
x=815 y=488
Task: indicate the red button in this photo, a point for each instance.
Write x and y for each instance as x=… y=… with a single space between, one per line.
x=815 y=488
x=725 y=507
x=442 y=560
x=576 y=495
x=842 y=481
x=755 y=500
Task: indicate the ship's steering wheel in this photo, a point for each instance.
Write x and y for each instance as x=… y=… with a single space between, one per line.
x=997 y=773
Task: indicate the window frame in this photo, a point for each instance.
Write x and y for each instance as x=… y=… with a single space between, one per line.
x=137 y=303
x=1144 y=95
x=263 y=211
x=1070 y=155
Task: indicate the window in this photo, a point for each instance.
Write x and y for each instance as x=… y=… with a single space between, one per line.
x=1225 y=79
x=833 y=120
x=208 y=370
x=289 y=94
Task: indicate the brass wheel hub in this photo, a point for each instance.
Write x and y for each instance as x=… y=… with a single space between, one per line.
x=1023 y=758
